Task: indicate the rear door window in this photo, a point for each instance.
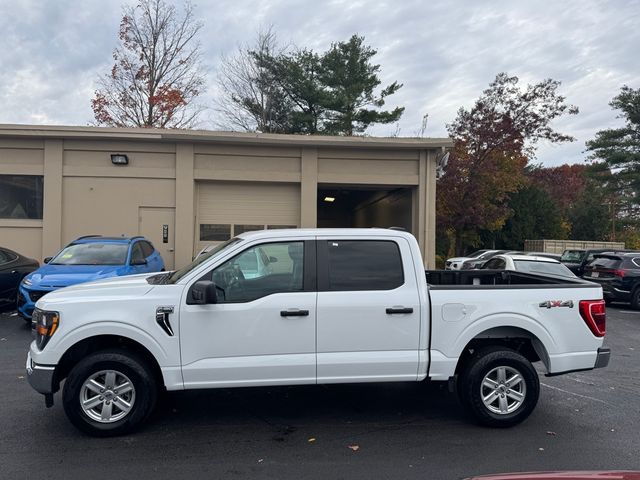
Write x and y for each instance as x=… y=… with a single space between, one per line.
x=362 y=265
x=495 y=264
x=147 y=249
x=136 y=253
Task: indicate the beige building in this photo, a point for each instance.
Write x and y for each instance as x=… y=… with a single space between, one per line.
x=185 y=189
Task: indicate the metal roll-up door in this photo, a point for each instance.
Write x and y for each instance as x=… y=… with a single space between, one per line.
x=225 y=209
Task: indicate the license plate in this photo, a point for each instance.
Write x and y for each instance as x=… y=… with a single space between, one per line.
x=595 y=274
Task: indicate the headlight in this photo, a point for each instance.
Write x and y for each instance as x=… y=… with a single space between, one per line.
x=45 y=324
x=26 y=282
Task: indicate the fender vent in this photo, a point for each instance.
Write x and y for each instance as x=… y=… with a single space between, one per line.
x=162 y=319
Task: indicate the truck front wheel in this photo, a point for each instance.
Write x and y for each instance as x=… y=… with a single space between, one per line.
x=499 y=387
x=109 y=393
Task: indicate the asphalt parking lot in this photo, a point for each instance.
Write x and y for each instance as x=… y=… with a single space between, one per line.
x=585 y=420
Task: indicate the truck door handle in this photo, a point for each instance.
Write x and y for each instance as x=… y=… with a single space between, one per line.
x=294 y=313
x=394 y=310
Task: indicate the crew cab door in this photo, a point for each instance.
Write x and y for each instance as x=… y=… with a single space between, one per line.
x=368 y=310
x=262 y=331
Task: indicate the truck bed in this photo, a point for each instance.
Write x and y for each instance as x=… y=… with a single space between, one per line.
x=478 y=279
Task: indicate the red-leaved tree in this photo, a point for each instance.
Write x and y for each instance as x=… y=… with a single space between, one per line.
x=564 y=184
x=494 y=140
x=157 y=72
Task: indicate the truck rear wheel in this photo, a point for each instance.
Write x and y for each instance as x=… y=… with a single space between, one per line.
x=109 y=393
x=499 y=387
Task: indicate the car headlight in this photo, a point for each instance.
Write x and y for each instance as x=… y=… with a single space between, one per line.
x=26 y=282
x=45 y=324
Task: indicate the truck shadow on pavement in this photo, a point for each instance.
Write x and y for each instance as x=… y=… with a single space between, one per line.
x=379 y=405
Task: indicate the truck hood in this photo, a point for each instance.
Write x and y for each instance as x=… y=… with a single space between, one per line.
x=58 y=276
x=131 y=286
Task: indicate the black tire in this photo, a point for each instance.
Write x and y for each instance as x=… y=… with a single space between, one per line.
x=635 y=299
x=125 y=363
x=470 y=388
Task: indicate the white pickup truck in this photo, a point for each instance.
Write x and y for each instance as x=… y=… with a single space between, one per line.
x=329 y=306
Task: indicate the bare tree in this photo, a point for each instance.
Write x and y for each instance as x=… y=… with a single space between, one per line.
x=251 y=98
x=157 y=72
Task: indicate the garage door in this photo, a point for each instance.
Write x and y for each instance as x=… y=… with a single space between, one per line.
x=226 y=209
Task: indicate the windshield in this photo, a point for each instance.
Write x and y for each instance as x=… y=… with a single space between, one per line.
x=94 y=253
x=477 y=253
x=572 y=256
x=203 y=257
x=543 y=268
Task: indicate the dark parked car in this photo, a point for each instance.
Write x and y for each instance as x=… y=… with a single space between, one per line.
x=619 y=275
x=13 y=268
x=576 y=259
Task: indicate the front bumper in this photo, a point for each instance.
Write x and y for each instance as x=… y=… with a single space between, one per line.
x=27 y=299
x=602 y=360
x=41 y=377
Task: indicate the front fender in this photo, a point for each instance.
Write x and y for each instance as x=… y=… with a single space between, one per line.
x=54 y=351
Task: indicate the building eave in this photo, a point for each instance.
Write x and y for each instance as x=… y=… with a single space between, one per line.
x=209 y=136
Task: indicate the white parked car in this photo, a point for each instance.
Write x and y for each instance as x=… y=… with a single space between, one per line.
x=343 y=305
x=536 y=265
x=455 y=263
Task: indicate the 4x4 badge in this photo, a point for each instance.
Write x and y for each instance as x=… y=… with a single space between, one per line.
x=556 y=303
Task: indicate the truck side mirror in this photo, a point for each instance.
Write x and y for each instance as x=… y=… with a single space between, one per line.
x=203 y=292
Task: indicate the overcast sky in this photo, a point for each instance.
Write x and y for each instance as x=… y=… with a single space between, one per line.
x=444 y=52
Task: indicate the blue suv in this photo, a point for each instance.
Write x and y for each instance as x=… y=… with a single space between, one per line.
x=87 y=259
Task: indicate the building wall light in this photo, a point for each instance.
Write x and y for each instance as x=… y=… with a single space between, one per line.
x=329 y=199
x=119 y=159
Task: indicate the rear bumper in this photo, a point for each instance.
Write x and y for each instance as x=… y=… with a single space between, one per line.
x=602 y=360
x=612 y=293
x=611 y=290
x=41 y=377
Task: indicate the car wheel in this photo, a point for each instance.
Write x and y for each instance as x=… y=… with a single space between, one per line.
x=635 y=299
x=499 y=387
x=109 y=393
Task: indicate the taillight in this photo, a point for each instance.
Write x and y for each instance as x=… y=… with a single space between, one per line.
x=594 y=314
x=618 y=273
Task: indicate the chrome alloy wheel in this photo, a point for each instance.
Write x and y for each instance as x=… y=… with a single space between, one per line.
x=107 y=396
x=503 y=390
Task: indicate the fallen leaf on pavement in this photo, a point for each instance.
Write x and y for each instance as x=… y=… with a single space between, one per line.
x=311 y=440
x=541 y=449
x=355 y=448
x=20 y=377
x=553 y=434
